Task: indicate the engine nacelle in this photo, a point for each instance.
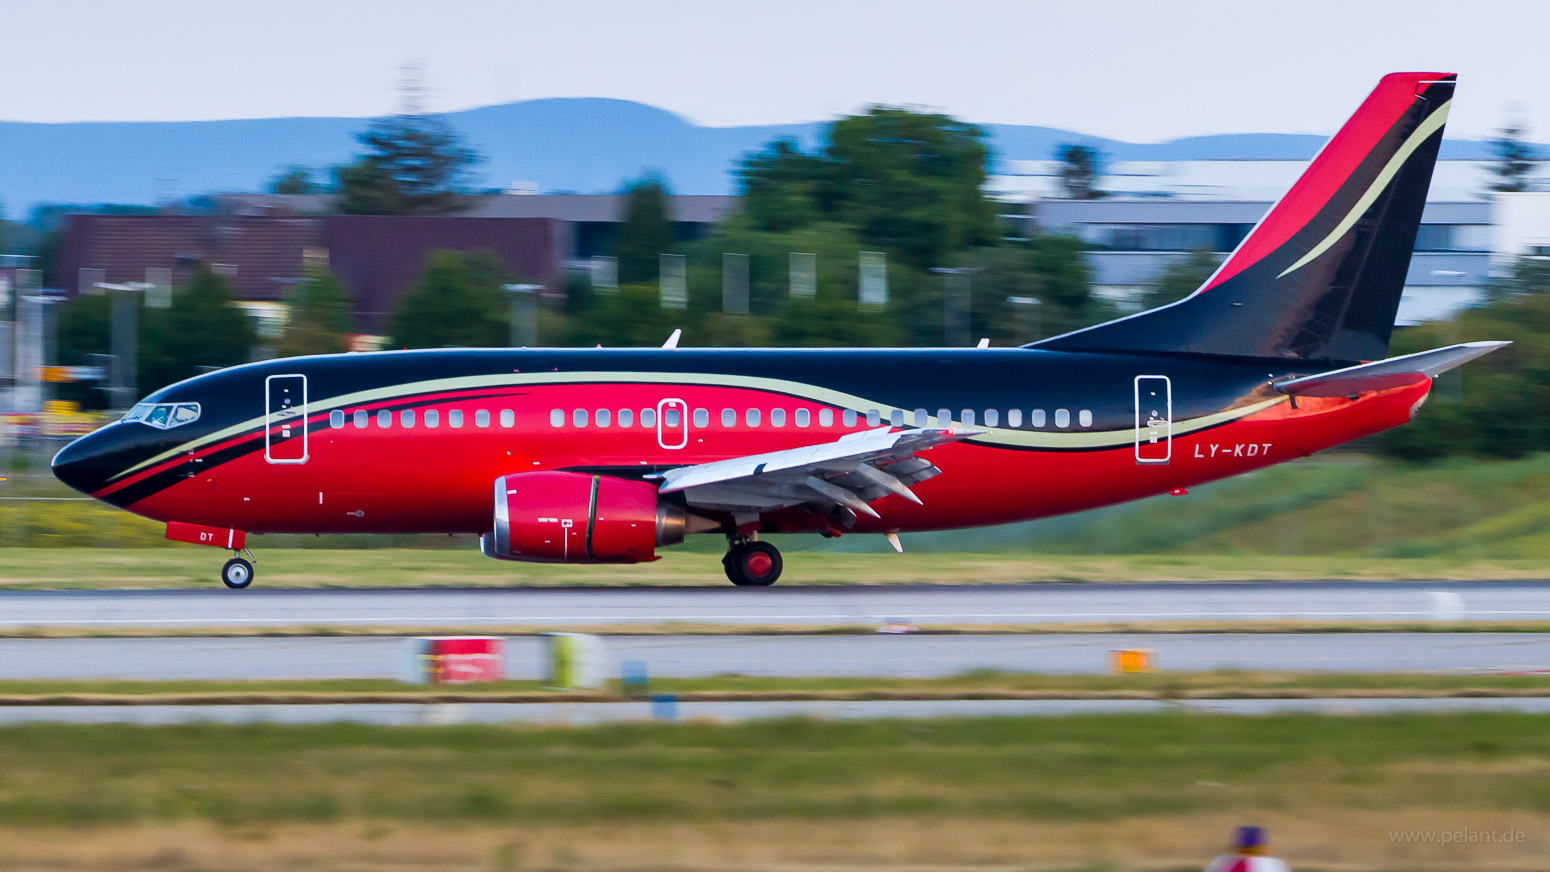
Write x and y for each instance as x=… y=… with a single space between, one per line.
x=573 y=517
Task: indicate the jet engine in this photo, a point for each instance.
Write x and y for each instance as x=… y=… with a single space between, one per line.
x=574 y=517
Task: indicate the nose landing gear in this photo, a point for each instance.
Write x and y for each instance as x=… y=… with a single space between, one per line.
x=752 y=563
x=237 y=574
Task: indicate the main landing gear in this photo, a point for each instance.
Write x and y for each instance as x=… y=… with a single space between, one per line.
x=750 y=563
x=237 y=574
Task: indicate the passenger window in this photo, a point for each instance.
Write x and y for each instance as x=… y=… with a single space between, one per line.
x=455 y=418
x=648 y=417
x=1014 y=417
x=406 y=417
x=433 y=418
x=944 y=418
x=992 y=418
x=803 y=417
x=849 y=418
x=508 y=418
x=336 y=419
x=1085 y=417
x=482 y=418
x=603 y=417
x=896 y=418
x=968 y=418
x=826 y=417
x=556 y=417
x=874 y=418
x=626 y=417
x=729 y=417
x=1062 y=418
x=360 y=419
x=670 y=417
x=922 y=419
x=577 y=418
x=384 y=418
x=702 y=417
x=1038 y=418
x=751 y=417
x=777 y=417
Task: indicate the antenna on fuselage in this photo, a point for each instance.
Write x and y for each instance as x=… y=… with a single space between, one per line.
x=672 y=341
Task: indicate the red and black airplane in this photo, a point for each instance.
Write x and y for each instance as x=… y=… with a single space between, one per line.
x=606 y=455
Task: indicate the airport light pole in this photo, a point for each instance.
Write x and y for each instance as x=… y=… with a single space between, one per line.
x=125 y=341
x=524 y=314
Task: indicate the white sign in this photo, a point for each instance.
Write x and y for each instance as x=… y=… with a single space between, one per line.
x=874 y=279
x=674 y=281
x=804 y=274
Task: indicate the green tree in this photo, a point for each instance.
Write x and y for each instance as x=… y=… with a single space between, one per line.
x=1526 y=276
x=782 y=187
x=646 y=232
x=458 y=301
x=1514 y=159
x=1180 y=278
x=414 y=164
x=1080 y=169
x=85 y=328
x=294 y=180
x=319 y=317
x=201 y=330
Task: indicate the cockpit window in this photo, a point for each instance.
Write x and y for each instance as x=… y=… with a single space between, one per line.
x=163 y=416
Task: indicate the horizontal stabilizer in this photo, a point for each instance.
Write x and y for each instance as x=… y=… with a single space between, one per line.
x=1391 y=373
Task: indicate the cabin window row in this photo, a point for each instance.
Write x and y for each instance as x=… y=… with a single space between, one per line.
x=384 y=418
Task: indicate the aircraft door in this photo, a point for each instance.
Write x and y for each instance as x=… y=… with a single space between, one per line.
x=672 y=424
x=1154 y=419
x=285 y=419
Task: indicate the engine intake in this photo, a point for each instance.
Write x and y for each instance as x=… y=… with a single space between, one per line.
x=573 y=517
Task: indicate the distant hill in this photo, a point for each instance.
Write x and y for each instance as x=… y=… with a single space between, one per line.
x=578 y=145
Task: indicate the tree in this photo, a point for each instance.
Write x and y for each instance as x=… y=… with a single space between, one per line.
x=294 y=180
x=85 y=328
x=1514 y=159
x=782 y=186
x=1180 y=279
x=201 y=330
x=1080 y=168
x=414 y=164
x=458 y=301
x=319 y=318
x=646 y=232
x=1526 y=276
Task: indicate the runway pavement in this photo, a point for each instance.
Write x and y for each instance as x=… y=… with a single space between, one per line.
x=965 y=604
x=906 y=656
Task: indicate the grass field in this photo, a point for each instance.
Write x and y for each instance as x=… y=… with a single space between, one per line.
x=1155 y=791
x=197 y=567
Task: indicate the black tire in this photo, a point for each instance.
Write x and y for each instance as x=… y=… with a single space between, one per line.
x=237 y=574
x=753 y=564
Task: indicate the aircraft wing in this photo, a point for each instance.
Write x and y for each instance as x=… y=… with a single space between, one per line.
x=1389 y=373
x=851 y=471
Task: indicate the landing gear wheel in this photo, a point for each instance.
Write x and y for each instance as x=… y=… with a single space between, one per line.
x=753 y=564
x=237 y=573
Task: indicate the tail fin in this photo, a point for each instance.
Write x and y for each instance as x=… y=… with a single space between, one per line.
x=1320 y=276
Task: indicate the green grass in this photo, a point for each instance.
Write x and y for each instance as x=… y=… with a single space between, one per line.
x=1226 y=683
x=1090 y=768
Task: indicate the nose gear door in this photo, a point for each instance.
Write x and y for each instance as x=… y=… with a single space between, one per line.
x=285 y=419
x=1154 y=419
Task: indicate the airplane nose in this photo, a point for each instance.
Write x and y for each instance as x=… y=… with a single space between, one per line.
x=84 y=463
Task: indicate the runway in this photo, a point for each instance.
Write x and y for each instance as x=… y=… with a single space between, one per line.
x=792 y=605
x=886 y=656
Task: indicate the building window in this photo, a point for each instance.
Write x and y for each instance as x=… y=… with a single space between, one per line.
x=1014 y=417
x=1038 y=418
x=803 y=417
x=702 y=417
x=751 y=417
x=729 y=417
x=482 y=418
x=384 y=419
x=603 y=417
x=361 y=418
x=336 y=419
x=992 y=418
x=826 y=417
x=1085 y=417
x=432 y=418
x=556 y=418
x=1062 y=418
x=777 y=417
x=578 y=418
x=455 y=419
x=508 y=418
x=626 y=417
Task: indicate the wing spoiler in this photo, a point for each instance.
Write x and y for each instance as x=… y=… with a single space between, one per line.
x=1394 y=372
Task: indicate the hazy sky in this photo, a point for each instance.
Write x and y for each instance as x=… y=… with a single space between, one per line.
x=1141 y=71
